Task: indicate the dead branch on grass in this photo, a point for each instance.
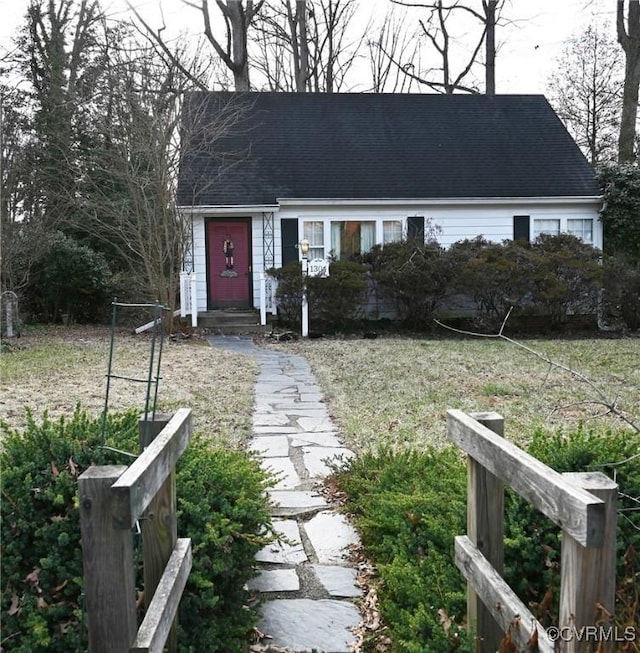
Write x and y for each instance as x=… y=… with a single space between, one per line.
x=602 y=398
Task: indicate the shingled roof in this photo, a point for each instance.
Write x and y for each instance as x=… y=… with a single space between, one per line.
x=376 y=146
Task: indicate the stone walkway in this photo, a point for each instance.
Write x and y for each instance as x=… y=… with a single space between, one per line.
x=306 y=583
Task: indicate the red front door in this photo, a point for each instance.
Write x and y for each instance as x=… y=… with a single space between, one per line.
x=228 y=263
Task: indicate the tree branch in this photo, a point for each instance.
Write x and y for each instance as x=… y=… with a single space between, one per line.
x=602 y=397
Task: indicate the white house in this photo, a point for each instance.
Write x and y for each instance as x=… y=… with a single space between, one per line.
x=261 y=171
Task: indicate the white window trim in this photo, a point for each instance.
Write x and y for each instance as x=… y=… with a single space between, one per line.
x=564 y=225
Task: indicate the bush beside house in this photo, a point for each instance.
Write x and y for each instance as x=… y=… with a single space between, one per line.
x=545 y=283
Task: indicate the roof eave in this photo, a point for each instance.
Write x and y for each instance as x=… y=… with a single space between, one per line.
x=227 y=209
x=435 y=201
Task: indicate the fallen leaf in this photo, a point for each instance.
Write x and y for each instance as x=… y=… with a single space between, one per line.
x=445 y=620
x=14 y=608
x=33 y=578
x=507 y=645
x=73 y=468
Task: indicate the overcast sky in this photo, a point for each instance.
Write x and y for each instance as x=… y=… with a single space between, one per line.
x=528 y=46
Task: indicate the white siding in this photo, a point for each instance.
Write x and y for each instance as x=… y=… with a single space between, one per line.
x=200 y=262
x=454 y=221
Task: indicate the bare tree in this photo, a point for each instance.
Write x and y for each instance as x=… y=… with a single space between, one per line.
x=238 y=15
x=629 y=39
x=306 y=46
x=437 y=30
x=281 y=45
x=128 y=191
x=332 y=53
x=585 y=91
x=392 y=43
x=490 y=7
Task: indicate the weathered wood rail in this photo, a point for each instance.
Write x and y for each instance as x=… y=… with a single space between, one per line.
x=582 y=505
x=112 y=499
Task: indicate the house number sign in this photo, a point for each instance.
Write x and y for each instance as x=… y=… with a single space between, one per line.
x=318 y=267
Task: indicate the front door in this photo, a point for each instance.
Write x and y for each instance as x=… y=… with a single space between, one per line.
x=228 y=263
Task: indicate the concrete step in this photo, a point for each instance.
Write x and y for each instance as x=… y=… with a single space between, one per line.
x=232 y=321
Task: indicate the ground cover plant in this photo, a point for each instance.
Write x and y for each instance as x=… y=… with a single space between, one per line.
x=222 y=507
x=409 y=504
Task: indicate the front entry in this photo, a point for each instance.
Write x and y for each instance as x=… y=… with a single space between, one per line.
x=229 y=263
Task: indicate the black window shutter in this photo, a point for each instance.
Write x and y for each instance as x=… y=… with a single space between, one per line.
x=289 y=240
x=521 y=228
x=415 y=228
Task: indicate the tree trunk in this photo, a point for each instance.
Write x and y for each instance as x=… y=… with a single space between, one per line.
x=302 y=68
x=490 y=46
x=630 y=42
x=239 y=46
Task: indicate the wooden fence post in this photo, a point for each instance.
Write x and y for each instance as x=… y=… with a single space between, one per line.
x=485 y=529
x=589 y=576
x=109 y=571
x=159 y=527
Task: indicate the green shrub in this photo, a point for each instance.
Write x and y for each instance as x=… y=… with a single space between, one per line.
x=221 y=507
x=411 y=276
x=532 y=542
x=620 y=184
x=622 y=290
x=408 y=505
x=335 y=303
x=289 y=293
x=69 y=278
x=567 y=277
x=497 y=277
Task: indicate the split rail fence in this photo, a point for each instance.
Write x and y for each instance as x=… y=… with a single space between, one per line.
x=112 y=500
x=583 y=505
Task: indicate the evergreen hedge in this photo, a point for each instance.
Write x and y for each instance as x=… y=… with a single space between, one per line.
x=409 y=505
x=222 y=507
x=550 y=279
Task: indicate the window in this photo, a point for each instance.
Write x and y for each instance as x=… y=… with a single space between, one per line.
x=582 y=228
x=351 y=237
x=314 y=233
x=548 y=226
x=391 y=231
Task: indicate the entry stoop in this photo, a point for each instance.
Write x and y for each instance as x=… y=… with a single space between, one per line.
x=232 y=320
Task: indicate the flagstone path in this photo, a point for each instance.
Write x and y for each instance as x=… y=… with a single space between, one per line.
x=306 y=583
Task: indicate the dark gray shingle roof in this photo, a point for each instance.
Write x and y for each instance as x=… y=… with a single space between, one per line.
x=299 y=145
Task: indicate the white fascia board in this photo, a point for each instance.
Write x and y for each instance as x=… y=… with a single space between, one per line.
x=228 y=210
x=451 y=201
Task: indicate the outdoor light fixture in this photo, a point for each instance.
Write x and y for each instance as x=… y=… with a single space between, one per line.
x=304 y=248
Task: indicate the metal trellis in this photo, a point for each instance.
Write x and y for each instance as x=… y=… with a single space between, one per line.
x=155 y=359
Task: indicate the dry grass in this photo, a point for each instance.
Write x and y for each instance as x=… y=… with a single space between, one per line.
x=390 y=390
x=397 y=391
x=53 y=369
